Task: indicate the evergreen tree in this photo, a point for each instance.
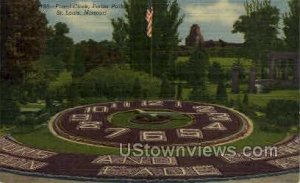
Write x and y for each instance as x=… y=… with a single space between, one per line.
x=231 y=103
x=291 y=25
x=197 y=67
x=179 y=92
x=246 y=99
x=214 y=72
x=137 y=89
x=221 y=94
x=238 y=103
x=199 y=93
x=166 y=89
x=165 y=38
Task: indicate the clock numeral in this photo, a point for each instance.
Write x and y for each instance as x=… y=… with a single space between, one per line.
x=189 y=133
x=219 y=117
x=204 y=109
x=89 y=125
x=80 y=117
x=175 y=171
x=215 y=126
x=114 y=106
x=144 y=104
x=126 y=104
x=96 y=109
x=152 y=103
x=116 y=132
x=153 y=136
x=178 y=104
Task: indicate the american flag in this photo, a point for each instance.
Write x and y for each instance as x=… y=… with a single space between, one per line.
x=149 y=18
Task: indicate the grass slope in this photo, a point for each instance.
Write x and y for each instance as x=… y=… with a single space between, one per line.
x=225 y=62
x=43 y=139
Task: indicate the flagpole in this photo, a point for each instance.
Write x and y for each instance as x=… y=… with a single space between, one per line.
x=149 y=18
x=151 y=57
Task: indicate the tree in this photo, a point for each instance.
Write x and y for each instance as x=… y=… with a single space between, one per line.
x=199 y=93
x=221 y=94
x=95 y=54
x=59 y=45
x=36 y=84
x=260 y=29
x=291 y=25
x=137 y=89
x=197 y=67
x=78 y=65
x=238 y=103
x=73 y=93
x=9 y=108
x=215 y=72
x=23 y=29
x=120 y=37
x=167 y=90
x=246 y=99
x=241 y=69
x=179 y=92
x=61 y=29
x=231 y=103
x=165 y=39
x=284 y=113
x=23 y=42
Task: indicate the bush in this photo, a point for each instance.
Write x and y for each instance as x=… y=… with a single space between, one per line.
x=283 y=112
x=116 y=83
x=9 y=107
x=270 y=128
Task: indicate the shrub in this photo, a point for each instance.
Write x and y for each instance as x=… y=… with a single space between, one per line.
x=116 y=83
x=283 y=112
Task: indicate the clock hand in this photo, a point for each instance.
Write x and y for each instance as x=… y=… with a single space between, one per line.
x=149 y=112
x=154 y=114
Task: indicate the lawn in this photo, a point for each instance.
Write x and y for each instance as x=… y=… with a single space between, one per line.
x=124 y=119
x=43 y=139
x=259 y=137
x=32 y=107
x=225 y=62
x=263 y=99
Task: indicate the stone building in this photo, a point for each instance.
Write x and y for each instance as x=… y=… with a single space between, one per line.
x=195 y=38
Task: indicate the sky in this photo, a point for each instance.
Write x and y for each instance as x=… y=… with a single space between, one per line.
x=215 y=18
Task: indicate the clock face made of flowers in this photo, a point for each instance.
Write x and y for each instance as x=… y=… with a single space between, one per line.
x=151 y=122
